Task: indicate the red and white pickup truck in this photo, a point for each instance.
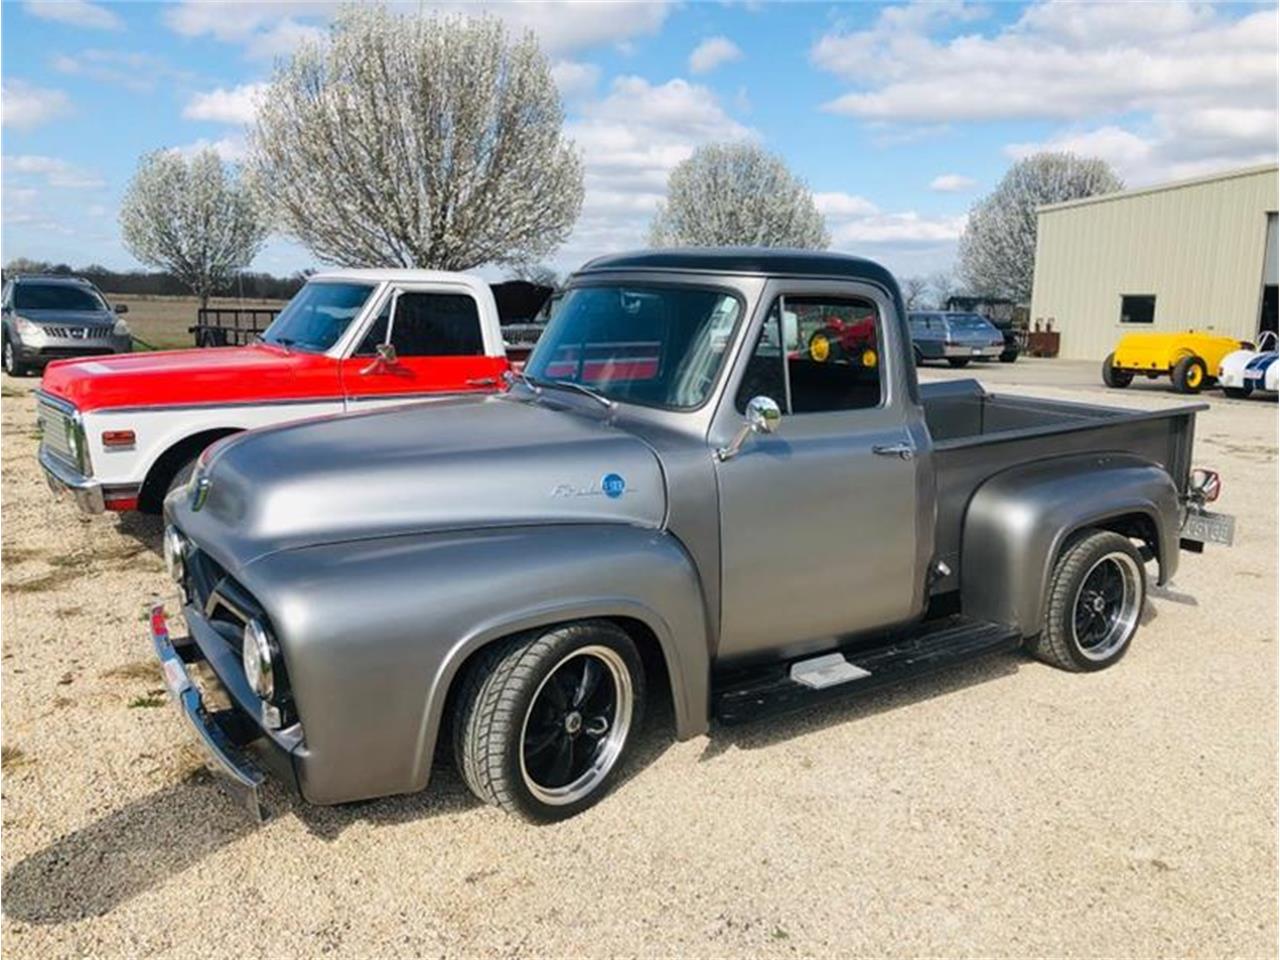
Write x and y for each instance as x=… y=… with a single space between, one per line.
x=118 y=433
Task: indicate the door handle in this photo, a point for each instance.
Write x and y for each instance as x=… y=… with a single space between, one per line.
x=903 y=451
x=482 y=382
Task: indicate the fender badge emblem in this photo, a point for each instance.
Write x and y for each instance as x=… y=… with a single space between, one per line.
x=200 y=494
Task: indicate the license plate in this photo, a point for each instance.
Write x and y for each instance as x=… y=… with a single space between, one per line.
x=1210 y=527
x=977 y=351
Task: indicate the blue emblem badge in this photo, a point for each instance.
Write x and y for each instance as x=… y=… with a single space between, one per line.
x=613 y=486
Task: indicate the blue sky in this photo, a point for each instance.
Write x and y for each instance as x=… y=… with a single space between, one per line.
x=898 y=115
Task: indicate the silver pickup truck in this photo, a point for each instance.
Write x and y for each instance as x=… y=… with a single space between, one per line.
x=674 y=496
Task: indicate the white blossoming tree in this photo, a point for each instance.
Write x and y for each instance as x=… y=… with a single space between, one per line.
x=737 y=194
x=192 y=217
x=998 y=247
x=417 y=141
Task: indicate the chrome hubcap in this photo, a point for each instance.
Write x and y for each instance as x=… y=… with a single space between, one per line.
x=1107 y=606
x=576 y=725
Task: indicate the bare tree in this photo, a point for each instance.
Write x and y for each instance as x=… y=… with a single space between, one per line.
x=942 y=286
x=913 y=292
x=539 y=273
x=737 y=194
x=998 y=247
x=418 y=141
x=192 y=217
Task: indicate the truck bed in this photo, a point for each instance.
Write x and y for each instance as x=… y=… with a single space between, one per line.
x=978 y=434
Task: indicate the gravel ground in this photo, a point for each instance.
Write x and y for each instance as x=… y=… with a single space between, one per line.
x=1004 y=809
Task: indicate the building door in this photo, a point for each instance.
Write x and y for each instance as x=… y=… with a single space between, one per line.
x=1270 y=278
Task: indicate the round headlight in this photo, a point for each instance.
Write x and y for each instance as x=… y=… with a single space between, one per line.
x=175 y=553
x=255 y=652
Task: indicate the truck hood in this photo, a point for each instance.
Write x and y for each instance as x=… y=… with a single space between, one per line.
x=175 y=377
x=436 y=465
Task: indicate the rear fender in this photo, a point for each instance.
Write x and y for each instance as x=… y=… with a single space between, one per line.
x=1018 y=521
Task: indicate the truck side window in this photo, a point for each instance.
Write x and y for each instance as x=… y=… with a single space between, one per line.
x=765 y=375
x=833 y=354
x=436 y=325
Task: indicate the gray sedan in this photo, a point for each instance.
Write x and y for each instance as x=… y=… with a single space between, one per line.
x=954 y=337
x=49 y=318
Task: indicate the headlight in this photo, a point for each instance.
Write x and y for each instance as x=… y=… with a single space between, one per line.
x=28 y=330
x=175 y=553
x=121 y=329
x=255 y=652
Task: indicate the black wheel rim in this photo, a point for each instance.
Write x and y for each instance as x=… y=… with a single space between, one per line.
x=1107 y=605
x=576 y=725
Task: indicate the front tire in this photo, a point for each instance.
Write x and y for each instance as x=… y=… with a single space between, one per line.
x=1190 y=375
x=958 y=361
x=1095 y=600
x=544 y=720
x=12 y=365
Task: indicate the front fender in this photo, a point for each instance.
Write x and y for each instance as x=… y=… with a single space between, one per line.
x=1017 y=522
x=374 y=633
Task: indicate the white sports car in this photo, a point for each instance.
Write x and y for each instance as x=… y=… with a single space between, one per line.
x=1245 y=371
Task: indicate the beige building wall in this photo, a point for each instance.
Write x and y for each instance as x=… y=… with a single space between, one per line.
x=1199 y=246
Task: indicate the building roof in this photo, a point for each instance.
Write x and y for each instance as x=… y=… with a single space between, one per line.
x=760 y=261
x=1161 y=187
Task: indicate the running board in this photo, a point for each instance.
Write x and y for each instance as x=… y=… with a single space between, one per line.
x=922 y=649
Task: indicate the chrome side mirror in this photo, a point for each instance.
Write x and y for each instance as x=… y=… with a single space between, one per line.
x=763 y=416
x=386 y=353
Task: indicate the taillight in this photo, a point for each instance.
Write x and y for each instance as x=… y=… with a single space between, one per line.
x=1206 y=485
x=118 y=438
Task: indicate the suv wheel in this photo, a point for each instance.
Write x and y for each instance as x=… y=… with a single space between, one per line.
x=12 y=366
x=1095 y=600
x=543 y=720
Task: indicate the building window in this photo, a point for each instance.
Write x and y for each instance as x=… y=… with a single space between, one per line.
x=1137 y=309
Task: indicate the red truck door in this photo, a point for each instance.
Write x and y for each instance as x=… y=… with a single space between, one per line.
x=438 y=344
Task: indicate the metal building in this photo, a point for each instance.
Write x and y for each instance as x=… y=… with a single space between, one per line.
x=1199 y=253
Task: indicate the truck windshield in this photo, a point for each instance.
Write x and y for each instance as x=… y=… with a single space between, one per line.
x=653 y=346
x=317 y=315
x=55 y=296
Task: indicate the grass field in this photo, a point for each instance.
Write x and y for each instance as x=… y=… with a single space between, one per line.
x=164 y=323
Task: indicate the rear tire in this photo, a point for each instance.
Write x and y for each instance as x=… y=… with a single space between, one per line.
x=1112 y=376
x=1096 y=593
x=1238 y=393
x=958 y=361
x=543 y=721
x=1190 y=375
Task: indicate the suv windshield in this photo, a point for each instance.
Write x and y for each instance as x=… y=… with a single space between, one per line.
x=55 y=296
x=653 y=346
x=317 y=315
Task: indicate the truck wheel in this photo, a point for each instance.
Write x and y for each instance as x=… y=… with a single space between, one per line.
x=1238 y=393
x=182 y=477
x=11 y=364
x=958 y=361
x=1190 y=375
x=1112 y=377
x=1096 y=594
x=543 y=720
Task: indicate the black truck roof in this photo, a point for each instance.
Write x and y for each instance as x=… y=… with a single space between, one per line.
x=762 y=261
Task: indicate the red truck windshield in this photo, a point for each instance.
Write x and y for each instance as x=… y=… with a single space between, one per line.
x=318 y=315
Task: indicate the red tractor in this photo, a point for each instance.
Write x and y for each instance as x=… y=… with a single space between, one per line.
x=842 y=341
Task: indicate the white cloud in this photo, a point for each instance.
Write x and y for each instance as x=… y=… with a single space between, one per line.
x=230 y=149
x=267 y=30
x=713 y=52
x=133 y=70
x=25 y=105
x=239 y=105
x=575 y=79
x=1189 y=80
x=951 y=183
x=630 y=140
x=855 y=220
x=54 y=171
x=78 y=13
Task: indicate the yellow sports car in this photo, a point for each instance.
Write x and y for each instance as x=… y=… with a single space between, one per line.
x=1186 y=358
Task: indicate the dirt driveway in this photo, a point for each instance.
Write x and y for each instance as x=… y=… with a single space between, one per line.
x=1005 y=809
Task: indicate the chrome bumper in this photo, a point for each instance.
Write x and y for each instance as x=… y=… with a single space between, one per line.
x=63 y=479
x=960 y=350
x=239 y=778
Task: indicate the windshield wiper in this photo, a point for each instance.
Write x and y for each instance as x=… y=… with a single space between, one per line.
x=574 y=385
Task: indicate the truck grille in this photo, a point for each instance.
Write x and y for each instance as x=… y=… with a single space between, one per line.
x=57 y=431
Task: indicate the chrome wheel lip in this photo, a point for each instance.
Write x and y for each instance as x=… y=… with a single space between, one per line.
x=611 y=745
x=1124 y=620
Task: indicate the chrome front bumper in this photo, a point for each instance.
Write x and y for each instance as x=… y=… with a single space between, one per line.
x=239 y=778
x=64 y=480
